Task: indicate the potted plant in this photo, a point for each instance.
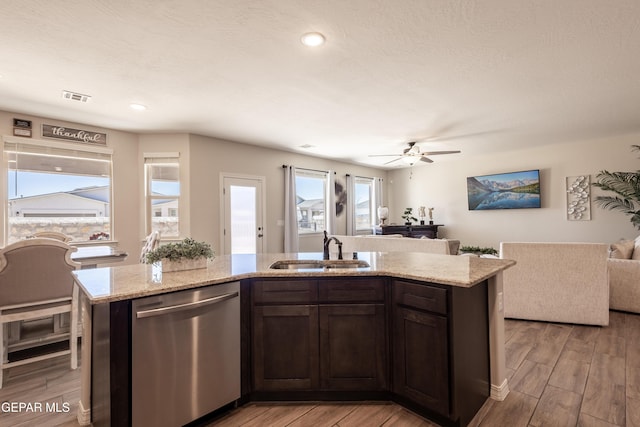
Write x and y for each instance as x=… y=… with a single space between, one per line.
x=408 y=216
x=185 y=255
x=476 y=250
x=626 y=186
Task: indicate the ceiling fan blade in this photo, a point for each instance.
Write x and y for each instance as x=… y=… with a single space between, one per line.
x=384 y=155
x=394 y=160
x=433 y=153
x=426 y=159
x=460 y=136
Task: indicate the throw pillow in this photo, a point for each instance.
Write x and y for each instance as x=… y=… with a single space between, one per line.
x=622 y=249
x=636 y=250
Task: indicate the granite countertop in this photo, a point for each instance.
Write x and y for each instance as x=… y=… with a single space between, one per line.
x=108 y=284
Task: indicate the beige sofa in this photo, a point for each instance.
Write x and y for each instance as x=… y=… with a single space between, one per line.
x=393 y=243
x=624 y=276
x=557 y=282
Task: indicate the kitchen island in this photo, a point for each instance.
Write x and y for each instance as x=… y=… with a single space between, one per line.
x=449 y=300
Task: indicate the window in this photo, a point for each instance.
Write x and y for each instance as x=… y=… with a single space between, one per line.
x=364 y=203
x=312 y=200
x=54 y=186
x=162 y=189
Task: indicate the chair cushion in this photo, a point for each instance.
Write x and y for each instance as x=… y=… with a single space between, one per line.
x=622 y=249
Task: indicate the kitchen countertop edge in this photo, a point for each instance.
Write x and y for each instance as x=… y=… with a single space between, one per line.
x=111 y=284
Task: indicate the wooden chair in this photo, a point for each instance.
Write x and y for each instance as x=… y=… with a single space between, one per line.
x=151 y=242
x=53 y=235
x=36 y=282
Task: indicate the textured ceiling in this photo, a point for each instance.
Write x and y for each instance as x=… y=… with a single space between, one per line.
x=477 y=75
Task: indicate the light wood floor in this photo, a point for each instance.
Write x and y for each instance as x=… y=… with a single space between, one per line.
x=559 y=375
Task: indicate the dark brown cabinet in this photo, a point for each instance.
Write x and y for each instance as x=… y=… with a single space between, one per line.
x=353 y=347
x=285 y=335
x=440 y=349
x=429 y=231
x=424 y=345
x=421 y=364
x=327 y=334
x=285 y=346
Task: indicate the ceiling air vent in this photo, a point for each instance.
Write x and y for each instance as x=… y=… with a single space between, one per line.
x=73 y=96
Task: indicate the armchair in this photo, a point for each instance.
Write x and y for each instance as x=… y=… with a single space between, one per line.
x=557 y=282
x=624 y=282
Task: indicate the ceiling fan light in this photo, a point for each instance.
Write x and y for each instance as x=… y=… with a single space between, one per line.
x=409 y=160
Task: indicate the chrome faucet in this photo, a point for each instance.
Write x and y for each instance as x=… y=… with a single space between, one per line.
x=328 y=240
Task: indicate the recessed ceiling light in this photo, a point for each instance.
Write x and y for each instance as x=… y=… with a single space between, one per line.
x=312 y=39
x=137 y=107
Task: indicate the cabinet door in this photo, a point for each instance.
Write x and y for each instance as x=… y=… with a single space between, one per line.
x=421 y=368
x=285 y=347
x=353 y=347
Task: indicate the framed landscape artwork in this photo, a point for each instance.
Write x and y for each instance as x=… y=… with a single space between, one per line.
x=513 y=190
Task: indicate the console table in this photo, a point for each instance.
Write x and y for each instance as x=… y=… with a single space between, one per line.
x=428 y=230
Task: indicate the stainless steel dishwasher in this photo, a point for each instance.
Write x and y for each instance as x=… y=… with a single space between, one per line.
x=185 y=354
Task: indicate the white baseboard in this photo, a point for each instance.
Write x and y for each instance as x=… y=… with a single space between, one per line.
x=500 y=392
x=84 y=415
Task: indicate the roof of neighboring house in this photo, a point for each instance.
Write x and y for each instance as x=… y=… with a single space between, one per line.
x=311 y=203
x=61 y=194
x=100 y=194
x=96 y=193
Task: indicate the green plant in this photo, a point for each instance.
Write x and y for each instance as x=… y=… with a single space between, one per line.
x=627 y=187
x=408 y=215
x=478 y=250
x=188 y=248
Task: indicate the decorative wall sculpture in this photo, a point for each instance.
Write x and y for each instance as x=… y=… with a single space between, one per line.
x=579 y=198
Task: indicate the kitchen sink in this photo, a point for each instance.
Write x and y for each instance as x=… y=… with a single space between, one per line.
x=306 y=264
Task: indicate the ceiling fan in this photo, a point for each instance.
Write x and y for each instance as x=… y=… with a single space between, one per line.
x=413 y=154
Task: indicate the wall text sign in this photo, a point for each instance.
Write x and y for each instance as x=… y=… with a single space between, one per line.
x=77 y=135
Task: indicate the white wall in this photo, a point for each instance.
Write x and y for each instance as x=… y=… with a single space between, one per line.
x=125 y=223
x=210 y=156
x=442 y=185
x=201 y=161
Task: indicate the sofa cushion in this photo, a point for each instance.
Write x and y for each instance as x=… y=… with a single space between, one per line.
x=636 y=251
x=622 y=249
x=383 y=243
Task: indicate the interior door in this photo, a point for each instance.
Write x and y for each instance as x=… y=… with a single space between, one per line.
x=243 y=213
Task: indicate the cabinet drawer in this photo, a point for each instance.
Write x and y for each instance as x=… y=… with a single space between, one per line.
x=285 y=291
x=351 y=290
x=422 y=297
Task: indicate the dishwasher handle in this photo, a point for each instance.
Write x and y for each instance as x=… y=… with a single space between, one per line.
x=186 y=306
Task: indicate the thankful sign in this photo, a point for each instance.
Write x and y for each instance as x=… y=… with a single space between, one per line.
x=70 y=134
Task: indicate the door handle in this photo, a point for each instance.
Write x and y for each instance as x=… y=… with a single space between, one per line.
x=187 y=306
x=260 y=235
